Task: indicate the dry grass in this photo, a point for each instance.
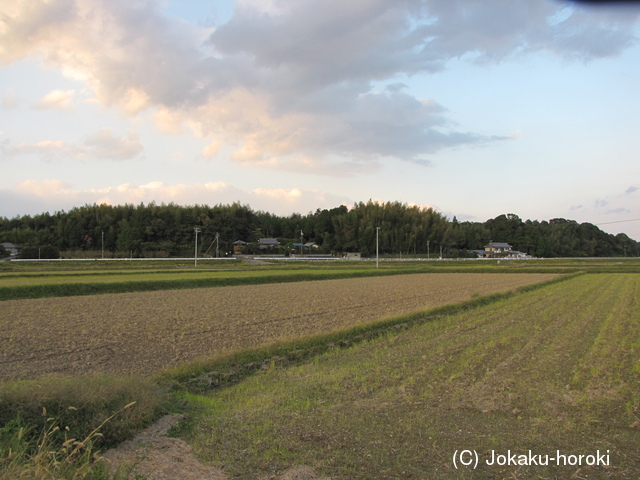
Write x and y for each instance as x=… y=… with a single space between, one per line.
x=145 y=332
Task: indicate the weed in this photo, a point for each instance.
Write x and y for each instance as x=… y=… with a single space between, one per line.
x=53 y=452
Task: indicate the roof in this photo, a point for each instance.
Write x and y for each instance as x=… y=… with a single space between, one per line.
x=9 y=245
x=308 y=244
x=239 y=242
x=499 y=245
x=268 y=241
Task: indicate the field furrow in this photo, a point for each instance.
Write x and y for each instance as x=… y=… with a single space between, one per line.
x=145 y=332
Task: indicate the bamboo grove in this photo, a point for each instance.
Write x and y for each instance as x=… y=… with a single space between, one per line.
x=399 y=229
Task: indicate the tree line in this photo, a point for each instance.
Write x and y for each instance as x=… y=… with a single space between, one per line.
x=164 y=230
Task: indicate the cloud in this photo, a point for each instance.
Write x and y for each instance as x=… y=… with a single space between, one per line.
x=618 y=210
x=45 y=188
x=10 y=101
x=56 y=100
x=32 y=196
x=284 y=80
x=46 y=149
x=212 y=149
x=631 y=189
x=104 y=145
x=287 y=195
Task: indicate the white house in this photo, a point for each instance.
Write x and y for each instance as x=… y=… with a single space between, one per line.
x=13 y=249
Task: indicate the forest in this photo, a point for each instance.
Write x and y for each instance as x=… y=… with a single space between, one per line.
x=168 y=230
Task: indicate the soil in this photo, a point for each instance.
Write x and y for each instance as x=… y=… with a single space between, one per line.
x=143 y=333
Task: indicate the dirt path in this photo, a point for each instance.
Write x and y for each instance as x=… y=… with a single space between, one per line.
x=154 y=456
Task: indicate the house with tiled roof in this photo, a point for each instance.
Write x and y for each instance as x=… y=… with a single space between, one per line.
x=13 y=249
x=264 y=243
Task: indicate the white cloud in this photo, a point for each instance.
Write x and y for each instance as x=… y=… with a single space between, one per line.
x=287 y=195
x=47 y=149
x=104 y=145
x=10 y=101
x=33 y=196
x=212 y=149
x=56 y=100
x=45 y=188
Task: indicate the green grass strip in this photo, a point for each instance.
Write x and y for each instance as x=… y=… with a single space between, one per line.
x=74 y=289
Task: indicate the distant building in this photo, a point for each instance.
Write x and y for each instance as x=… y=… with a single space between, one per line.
x=501 y=250
x=270 y=243
x=308 y=246
x=238 y=247
x=13 y=249
x=496 y=249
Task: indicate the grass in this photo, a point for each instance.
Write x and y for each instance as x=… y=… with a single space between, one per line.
x=56 y=428
x=552 y=369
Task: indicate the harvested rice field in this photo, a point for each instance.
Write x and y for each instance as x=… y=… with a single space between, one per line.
x=146 y=332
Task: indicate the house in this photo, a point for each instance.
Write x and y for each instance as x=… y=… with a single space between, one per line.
x=305 y=246
x=501 y=250
x=264 y=243
x=13 y=249
x=496 y=249
x=238 y=247
x=516 y=254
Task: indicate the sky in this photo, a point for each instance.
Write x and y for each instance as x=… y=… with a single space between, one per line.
x=476 y=109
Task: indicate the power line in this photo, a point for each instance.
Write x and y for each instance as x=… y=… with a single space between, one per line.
x=619 y=221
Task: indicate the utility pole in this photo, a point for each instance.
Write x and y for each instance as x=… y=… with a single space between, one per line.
x=428 y=250
x=217 y=245
x=195 y=256
x=377 y=242
x=301 y=242
x=103 y=244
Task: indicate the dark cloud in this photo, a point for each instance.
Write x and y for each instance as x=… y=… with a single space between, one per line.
x=287 y=77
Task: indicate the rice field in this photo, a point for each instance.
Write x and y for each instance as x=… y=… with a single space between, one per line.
x=143 y=333
x=541 y=385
